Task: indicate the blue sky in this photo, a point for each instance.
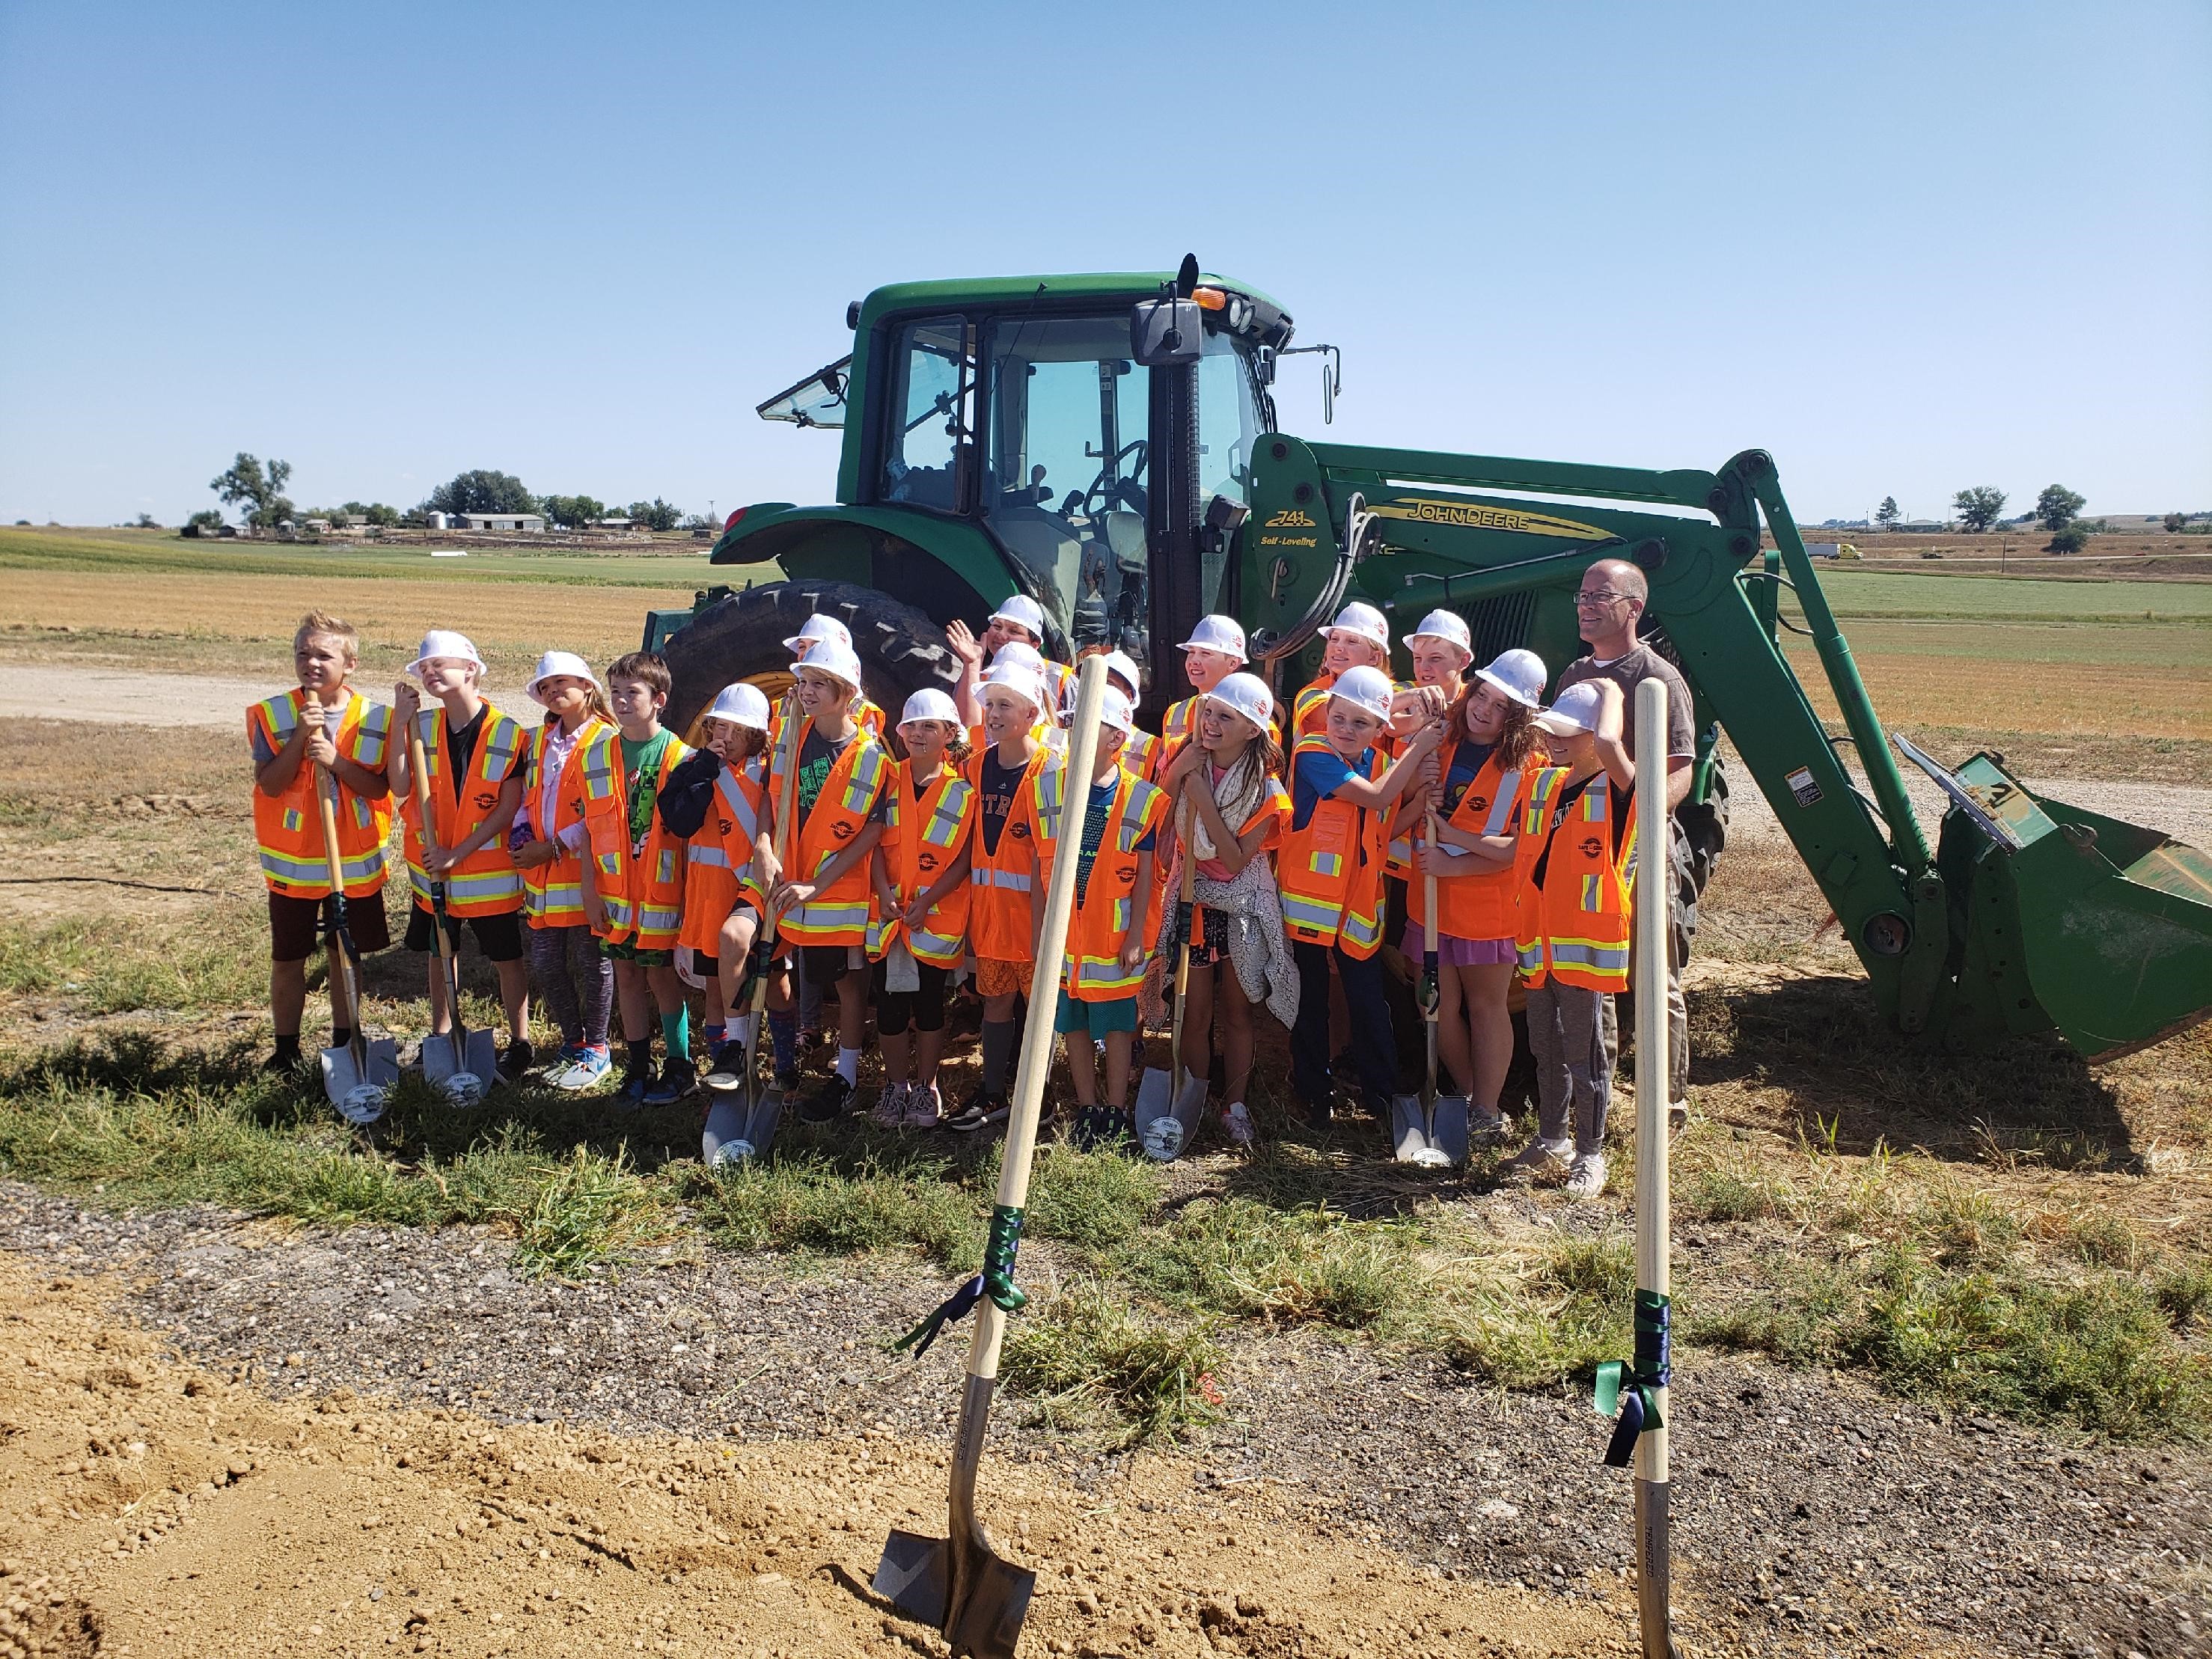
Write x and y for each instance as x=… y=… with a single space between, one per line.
x=1906 y=247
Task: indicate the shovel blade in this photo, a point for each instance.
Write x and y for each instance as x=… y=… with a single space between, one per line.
x=360 y=1087
x=723 y=1138
x=761 y=1122
x=915 y=1576
x=1409 y=1129
x=462 y=1078
x=1155 y=1091
x=1448 y=1127
x=1166 y=1126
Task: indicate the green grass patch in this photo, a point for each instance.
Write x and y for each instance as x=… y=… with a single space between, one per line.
x=104 y=965
x=1089 y=1354
x=2010 y=598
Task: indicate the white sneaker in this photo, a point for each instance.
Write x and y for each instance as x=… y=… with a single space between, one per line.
x=889 y=1110
x=1542 y=1157
x=1487 y=1123
x=1237 y=1122
x=1586 y=1174
x=923 y=1106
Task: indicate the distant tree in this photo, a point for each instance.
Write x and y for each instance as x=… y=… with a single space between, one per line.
x=375 y=512
x=207 y=519
x=1979 y=507
x=482 y=491
x=2174 y=523
x=656 y=514
x=415 y=518
x=2057 y=506
x=146 y=522
x=1886 y=514
x=572 y=512
x=2071 y=539
x=257 y=489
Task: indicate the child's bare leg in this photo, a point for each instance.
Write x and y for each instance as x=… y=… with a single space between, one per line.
x=1452 y=1039
x=1236 y=1038
x=1118 y=1045
x=514 y=997
x=1197 y=1055
x=929 y=1053
x=851 y=1009
x=1492 y=1025
x=667 y=987
x=288 y=998
x=1081 y=1069
x=734 y=944
x=441 y=1008
x=635 y=1000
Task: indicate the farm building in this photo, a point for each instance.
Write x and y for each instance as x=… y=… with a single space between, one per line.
x=525 y=523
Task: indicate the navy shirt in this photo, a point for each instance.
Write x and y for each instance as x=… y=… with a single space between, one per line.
x=1317 y=774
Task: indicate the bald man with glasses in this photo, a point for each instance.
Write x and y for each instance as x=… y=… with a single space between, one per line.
x=1607 y=607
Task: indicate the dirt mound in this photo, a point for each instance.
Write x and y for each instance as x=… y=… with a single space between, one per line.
x=148 y=1509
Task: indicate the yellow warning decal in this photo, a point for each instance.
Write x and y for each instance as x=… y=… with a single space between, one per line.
x=1479 y=516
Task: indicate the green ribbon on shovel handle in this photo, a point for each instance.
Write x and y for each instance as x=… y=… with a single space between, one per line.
x=1626 y=1390
x=996 y=1282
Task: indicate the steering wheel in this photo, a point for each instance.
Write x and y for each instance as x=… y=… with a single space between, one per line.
x=1110 y=489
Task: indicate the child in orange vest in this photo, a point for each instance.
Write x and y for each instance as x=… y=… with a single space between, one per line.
x=473 y=754
x=634 y=878
x=574 y=979
x=1103 y=966
x=295 y=738
x=1002 y=873
x=1214 y=651
x=1330 y=871
x=1358 y=638
x=921 y=931
x=1227 y=786
x=714 y=799
x=824 y=901
x=1479 y=785
x=1574 y=917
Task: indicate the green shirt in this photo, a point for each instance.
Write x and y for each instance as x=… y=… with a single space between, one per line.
x=640 y=768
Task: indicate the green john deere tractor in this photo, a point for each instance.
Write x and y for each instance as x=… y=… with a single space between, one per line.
x=1106 y=444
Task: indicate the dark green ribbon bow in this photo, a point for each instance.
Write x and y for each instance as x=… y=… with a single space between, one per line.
x=1627 y=1391
x=995 y=1281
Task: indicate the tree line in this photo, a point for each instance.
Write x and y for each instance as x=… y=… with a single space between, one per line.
x=255 y=489
x=1981 y=508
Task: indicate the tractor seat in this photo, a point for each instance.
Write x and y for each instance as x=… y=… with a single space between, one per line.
x=1124 y=535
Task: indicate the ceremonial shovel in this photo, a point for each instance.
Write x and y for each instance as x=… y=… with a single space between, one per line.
x=461 y=1065
x=1429 y=1128
x=357 y=1078
x=959 y=1583
x=1167 y=1117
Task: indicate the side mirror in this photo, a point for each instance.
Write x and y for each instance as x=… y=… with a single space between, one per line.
x=1263 y=365
x=1167 y=333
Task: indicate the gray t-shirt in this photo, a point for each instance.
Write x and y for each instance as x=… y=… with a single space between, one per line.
x=1628 y=672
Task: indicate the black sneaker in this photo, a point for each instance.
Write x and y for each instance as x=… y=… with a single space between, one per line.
x=972 y=1113
x=787 y=1081
x=828 y=1102
x=1320 y=1111
x=727 y=1071
x=1099 y=1128
x=677 y=1079
x=516 y=1062
x=636 y=1081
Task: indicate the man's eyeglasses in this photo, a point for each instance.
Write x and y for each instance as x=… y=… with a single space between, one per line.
x=1600 y=596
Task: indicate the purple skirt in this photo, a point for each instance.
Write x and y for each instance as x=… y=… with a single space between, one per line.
x=1460 y=952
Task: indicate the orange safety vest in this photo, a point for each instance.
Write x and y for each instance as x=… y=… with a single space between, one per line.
x=1482 y=905
x=718 y=866
x=486 y=883
x=838 y=914
x=641 y=886
x=1001 y=884
x=1310 y=709
x=553 y=892
x=1576 y=927
x=922 y=836
x=1330 y=872
x=1141 y=755
x=288 y=828
x=1091 y=967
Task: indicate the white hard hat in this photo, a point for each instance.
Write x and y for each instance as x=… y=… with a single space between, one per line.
x=1120 y=662
x=1116 y=711
x=1219 y=633
x=1024 y=610
x=552 y=663
x=1019 y=654
x=741 y=705
x=1248 y=696
x=1362 y=622
x=1449 y=626
x=929 y=704
x=1019 y=679
x=1519 y=674
x=832 y=657
x=816 y=628
x=1575 y=709
x=445 y=642
x=1365 y=688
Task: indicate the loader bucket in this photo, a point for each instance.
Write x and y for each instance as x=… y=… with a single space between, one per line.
x=2111 y=923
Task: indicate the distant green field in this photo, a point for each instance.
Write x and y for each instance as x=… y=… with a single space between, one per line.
x=2012 y=598
x=147 y=552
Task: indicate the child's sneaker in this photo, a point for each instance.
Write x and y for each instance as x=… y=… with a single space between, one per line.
x=828 y=1102
x=1100 y=1128
x=727 y=1071
x=514 y=1065
x=1586 y=1174
x=587 y=1070
x=1487 y=1122
x=975 y=1113
x=923 y=1106
x=1541 y=1157
x=1236 y=1123
x=636 y=1082
x=679 y=1077
x=889 y=1110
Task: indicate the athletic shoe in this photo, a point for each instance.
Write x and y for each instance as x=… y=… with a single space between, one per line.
x=1586 y=1174
x=635 y=1082
x=1098 y=1129
x=1487 y=1123
x=786 y=1080
x=1678 y=1116
x=1236 y=1123
x=679 y=1077
x=889 y=1110
x=975 y=1113
x=514 y=1065
x=1541 y=1157
x=586 y=1071
x=828 y=1102
x=282 y=1064
x=1320 y=1112
x=727 y=1071
x=924 y=1107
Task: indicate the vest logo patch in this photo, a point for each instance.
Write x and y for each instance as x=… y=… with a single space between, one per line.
x=1018 y=831
x=927 y=861
x=1481 y=803
x=1591 y=847
x=841 y=830
x=726 y=824
x=486 y=799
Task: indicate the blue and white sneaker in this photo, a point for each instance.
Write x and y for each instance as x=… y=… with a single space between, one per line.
x=586 y=1069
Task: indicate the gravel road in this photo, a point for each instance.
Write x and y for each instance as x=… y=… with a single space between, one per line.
x=1813 y=1515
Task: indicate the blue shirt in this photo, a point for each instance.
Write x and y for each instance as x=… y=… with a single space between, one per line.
x=1317 y=776
x=1094 y=830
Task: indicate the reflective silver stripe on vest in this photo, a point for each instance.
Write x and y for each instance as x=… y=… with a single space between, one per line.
x=712 y=857
x=1362 y=930
x=369 y=736
x=1011 y=881
x=1599 y=958
x=725 y=785
x=1299 y=912
x=1501 y=810
x=944 y=825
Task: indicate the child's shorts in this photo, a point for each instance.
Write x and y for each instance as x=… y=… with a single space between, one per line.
x=500 y=937
x=1097 y=1019
x=636 y=953
x=295 y=926
x=995 y=978
x=1460 y=952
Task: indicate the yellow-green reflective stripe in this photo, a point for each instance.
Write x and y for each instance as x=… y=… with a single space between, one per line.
x=1590 y=893
x=927 y=944
x=1308 y=913
x=1363 y=930
x=284 y=867
x=1580 y=953
x=667 y=869
x=1327 y=864
x=1012 y=881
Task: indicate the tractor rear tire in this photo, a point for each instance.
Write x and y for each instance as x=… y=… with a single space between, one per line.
x=1705 y=827
x=901 y=650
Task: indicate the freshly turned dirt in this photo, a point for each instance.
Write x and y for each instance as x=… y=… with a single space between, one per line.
x=148 y=1508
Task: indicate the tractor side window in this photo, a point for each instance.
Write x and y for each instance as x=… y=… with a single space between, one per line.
x=1228 y=425
x=929 y=433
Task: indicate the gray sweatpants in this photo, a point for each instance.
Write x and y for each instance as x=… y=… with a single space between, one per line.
x=574 y=981
x=1569 y=1033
